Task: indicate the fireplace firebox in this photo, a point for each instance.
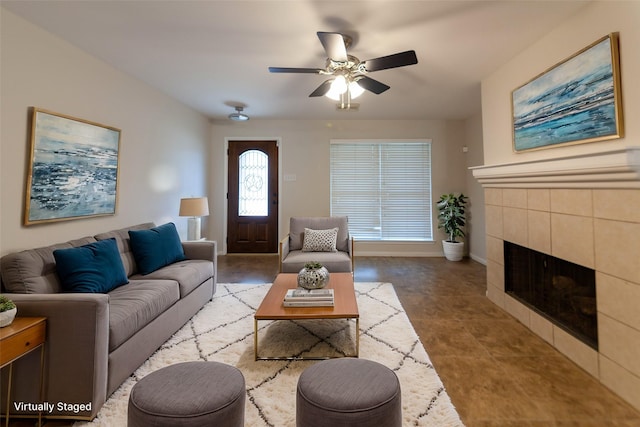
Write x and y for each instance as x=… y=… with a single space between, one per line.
x=561 y=291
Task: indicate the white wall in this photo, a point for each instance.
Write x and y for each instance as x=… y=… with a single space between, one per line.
x=304 y=152
x=164 y=145
x=475 y=238
x=593 y=22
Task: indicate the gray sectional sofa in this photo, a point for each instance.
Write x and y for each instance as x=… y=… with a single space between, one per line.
x=96 y=340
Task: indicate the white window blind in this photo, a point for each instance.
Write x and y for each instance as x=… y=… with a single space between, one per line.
x=384 y=188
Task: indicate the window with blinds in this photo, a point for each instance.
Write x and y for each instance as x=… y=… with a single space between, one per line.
x=384 y=187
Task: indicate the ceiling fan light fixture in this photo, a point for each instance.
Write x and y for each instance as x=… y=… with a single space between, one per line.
x=238 y=116
x=349 y=71
x=333 y=95
x=355 y=89
x=351 y=89
x=338 y=87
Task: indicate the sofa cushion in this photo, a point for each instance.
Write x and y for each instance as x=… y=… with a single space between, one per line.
x=298 y=224
x=335 y=262
x=134 y=306
x=156 y=247
x=189 y=274
x=320 y=240
x=93 y=268
x=33 y=271
x=124 y=244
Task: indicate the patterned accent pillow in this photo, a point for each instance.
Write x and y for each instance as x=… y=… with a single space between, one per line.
x=320 y=240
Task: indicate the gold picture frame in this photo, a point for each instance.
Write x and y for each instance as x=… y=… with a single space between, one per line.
x=578 y=100
x=73 y=168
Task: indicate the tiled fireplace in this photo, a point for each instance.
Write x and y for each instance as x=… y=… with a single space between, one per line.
x=560 y=290
x=585 y=210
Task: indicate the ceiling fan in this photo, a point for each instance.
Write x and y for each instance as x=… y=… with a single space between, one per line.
x=349 y=74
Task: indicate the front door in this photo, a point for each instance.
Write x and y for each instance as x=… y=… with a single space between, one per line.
x=252 y=223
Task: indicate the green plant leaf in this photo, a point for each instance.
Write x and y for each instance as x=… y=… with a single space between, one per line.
x=451 y=216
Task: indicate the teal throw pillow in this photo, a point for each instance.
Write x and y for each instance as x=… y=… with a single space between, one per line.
x=92 y=268
x=156 y=247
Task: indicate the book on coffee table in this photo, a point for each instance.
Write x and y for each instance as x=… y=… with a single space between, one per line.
x=321 y=303
x=309 y=298
x=309 y=294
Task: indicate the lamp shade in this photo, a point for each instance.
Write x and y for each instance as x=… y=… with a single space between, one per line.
x=194 y=206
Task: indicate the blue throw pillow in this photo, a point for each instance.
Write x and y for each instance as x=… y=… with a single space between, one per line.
x=156 y=247
x=92 y=268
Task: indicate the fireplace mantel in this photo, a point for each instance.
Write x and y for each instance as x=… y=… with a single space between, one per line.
x=610 y=169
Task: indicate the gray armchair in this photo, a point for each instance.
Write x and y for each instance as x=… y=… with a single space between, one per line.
x=295 y=252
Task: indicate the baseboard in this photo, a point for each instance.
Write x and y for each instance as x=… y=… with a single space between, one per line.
x=478 y=259
x=417 y=254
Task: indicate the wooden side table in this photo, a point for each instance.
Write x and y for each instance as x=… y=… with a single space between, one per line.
x=23 y=336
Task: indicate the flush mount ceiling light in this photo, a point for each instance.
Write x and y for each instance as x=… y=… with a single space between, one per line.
x=238 y=116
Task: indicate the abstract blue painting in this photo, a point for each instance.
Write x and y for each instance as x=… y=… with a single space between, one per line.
x=73 y=170
x=574 y=102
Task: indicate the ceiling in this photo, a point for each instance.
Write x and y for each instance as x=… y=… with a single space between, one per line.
x=215 y=54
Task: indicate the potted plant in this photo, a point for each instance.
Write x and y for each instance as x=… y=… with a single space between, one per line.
x=451 y=218
x=8 y=311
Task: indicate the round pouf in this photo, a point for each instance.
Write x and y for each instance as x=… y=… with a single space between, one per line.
x=189 y=394
x=348 y=392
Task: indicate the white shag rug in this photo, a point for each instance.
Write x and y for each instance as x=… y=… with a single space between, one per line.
x=222 y=331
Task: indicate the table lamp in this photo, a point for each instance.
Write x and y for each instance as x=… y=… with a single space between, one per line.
x=194 y=207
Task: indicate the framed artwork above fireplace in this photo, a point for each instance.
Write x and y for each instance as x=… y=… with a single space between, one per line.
x=576 y=101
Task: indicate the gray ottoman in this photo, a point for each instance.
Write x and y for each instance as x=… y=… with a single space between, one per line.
x=189 y=394
x=348 y=392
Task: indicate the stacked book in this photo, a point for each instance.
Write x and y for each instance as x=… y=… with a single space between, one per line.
x=309 y=298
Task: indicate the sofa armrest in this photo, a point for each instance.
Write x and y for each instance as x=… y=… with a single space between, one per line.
x=206 y=249
x=351 y=249
x=283 y=251
x=76 y=351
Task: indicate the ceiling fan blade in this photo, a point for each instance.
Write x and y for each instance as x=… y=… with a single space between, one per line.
x=295 y=70
x=333 y=44
x=392 y=61
x=372 y=85
x=322 y=89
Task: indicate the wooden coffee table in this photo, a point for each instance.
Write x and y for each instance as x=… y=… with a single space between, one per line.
x=272 y=308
